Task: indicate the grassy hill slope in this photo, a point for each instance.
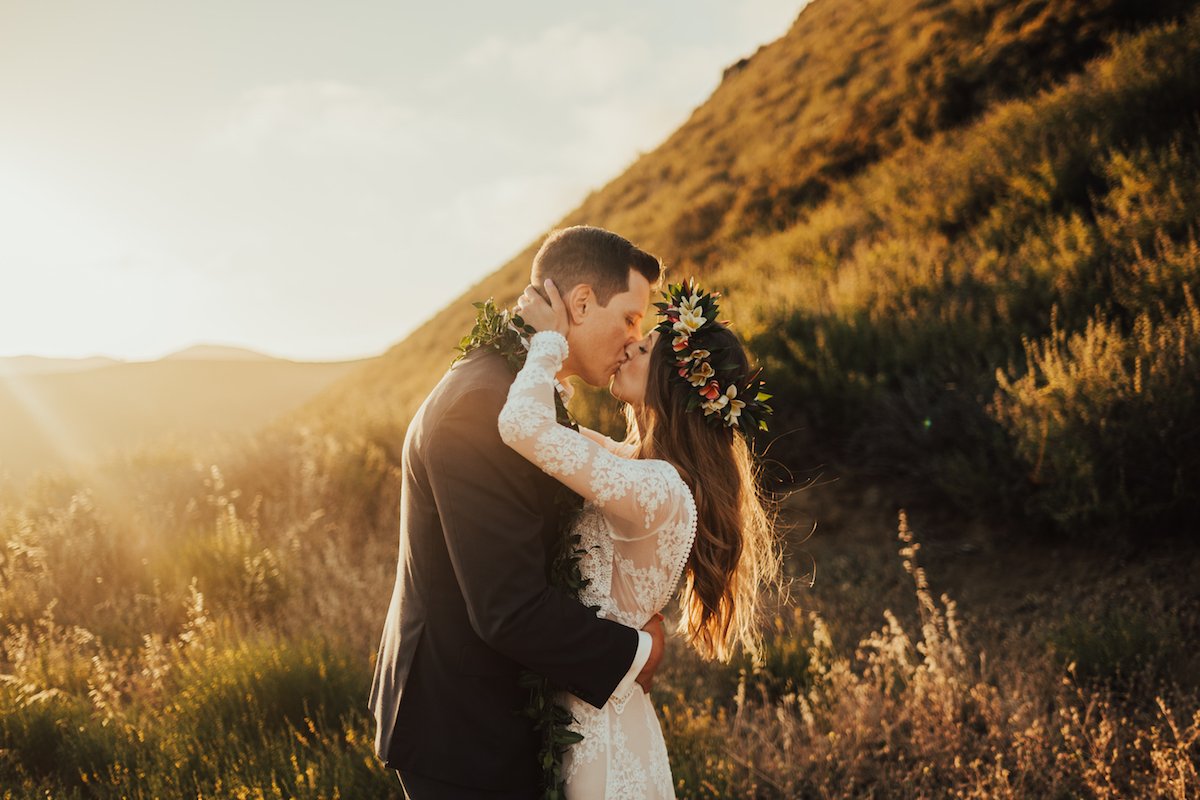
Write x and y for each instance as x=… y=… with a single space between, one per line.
x=918 y=211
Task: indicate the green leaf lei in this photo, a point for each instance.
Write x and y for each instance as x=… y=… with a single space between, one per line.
x=502 y=331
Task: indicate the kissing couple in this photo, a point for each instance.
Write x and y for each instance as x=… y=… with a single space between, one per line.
x=536 y=556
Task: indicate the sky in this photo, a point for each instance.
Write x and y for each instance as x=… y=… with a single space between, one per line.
x=313 y=180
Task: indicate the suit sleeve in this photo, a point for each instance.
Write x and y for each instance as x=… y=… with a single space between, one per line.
x=492 y=518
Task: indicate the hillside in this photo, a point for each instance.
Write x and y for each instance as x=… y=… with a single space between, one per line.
x=910 y=230
x=32 y=365
x=215 y=352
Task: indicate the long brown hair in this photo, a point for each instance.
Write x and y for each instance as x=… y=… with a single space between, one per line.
x=735 y=558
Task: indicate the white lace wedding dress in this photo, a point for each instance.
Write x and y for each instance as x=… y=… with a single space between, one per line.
x=637 y=525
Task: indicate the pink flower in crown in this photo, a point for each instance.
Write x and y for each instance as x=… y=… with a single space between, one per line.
x=711 y=391
x=683 y=371
x=701 y=374
x=680 y=343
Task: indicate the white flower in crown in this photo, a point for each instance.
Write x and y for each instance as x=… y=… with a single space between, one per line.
x=715 y=405
x=690 y=320
x=735 y=405
x=687 y=358
x=700 y=374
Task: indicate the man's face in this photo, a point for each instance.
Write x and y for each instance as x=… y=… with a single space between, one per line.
x=597 y=341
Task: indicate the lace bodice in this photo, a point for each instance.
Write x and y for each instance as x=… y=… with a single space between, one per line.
x=637 y=528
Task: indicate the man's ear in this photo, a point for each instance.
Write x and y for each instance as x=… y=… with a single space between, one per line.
x=580 y=302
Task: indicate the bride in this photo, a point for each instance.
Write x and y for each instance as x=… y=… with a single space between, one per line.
x=679 y=498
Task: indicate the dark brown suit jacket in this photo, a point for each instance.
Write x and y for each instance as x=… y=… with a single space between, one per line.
x=471 y=605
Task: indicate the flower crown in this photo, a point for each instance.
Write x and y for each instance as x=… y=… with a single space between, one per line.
x=689 y=315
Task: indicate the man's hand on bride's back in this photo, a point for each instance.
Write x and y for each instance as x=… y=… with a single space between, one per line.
x=540 y=314
x=659 y=642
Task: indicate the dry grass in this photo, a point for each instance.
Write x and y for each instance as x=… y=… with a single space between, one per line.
x=914 y=711
x=241 y=668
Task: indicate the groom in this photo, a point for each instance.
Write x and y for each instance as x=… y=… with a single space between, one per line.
x=471 y=605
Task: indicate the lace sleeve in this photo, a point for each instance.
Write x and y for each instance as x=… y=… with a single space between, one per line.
x=639 y=496
x=611 y=445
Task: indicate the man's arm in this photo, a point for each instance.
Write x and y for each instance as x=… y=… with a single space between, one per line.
x=492 y=518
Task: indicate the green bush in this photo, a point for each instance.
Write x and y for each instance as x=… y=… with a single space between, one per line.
x=1121 y=644
x=700 y=765
x=265 y=684
x=50 y=737
x=1106 y=421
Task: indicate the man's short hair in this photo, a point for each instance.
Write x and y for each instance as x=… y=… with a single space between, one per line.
x=599 y=258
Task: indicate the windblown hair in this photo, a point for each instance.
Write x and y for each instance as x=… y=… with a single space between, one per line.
x=595 y=256
x=736 y=559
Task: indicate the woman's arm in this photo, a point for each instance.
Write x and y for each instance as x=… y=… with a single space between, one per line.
x=638 y=495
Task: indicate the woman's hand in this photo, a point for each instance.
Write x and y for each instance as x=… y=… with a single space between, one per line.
x=658 y=643
x=539 y=314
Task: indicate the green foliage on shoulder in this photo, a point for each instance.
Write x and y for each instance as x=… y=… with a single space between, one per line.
x=500 y=330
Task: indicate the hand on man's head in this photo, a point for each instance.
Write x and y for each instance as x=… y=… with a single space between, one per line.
x=543 y=308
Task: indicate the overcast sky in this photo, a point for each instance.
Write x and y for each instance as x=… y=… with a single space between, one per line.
x=313 y=180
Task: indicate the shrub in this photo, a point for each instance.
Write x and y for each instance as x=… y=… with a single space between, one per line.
x=264 y=684
x=1105 y=421
x=1120 y=645
x=49 y=735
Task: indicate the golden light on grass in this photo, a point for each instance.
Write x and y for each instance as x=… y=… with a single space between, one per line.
x=55 y=430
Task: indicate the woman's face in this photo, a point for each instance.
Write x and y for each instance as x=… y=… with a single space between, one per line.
x=629 y=382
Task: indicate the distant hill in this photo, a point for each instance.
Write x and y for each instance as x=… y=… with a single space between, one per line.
x=56 y=416
x=953 y=232
x=40 y=365
x=35 y=365
x=215 y=352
